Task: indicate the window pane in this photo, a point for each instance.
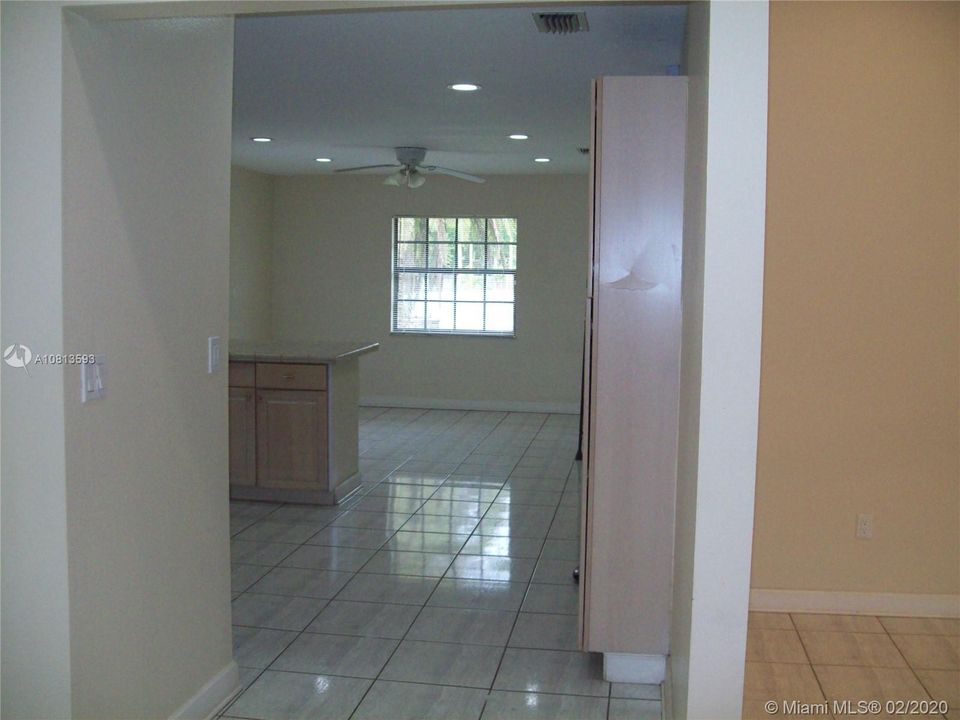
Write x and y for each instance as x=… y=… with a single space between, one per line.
x=454 y=274
x=469 y=287
x=500 y=287
x=411 y=229
x=469 y=316
x=443 y=255
x=471 y=230
x=439 y=316
x=502 y=257
x=409 y=316
x=440 y=286
x=470 y=256
x=443 y=230
x=411 y=255
x=500 y=317
x=502 y=230
x=410 y=286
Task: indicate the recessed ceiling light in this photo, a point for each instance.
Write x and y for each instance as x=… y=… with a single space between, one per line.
x=464 y=87
x=519 y=136
x=541 y=159
x=324 y=160
x=262 y=139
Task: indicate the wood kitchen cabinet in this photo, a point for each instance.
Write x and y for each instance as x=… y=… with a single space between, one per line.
x=292 y=438
x=294 y=422
x=243 y=436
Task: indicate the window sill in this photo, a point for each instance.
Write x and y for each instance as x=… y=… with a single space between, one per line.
x=415 y=333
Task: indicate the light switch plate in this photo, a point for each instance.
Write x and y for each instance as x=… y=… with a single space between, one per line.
x=213 y=353
x=93 y=379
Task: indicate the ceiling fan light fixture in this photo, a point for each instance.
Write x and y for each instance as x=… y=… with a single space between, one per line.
x=415 y=180
x=394 y=179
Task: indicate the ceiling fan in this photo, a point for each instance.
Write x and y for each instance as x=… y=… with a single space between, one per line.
x=410 y=171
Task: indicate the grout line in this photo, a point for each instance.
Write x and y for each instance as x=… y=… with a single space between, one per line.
x=424 y=605
x=437 y=437
x=806 y=654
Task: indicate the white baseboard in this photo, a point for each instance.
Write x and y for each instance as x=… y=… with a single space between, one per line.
x=488 y=405
x=855 y=603
x=212 y=697
x=634 y=668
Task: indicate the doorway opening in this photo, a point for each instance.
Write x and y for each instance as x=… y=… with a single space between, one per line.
x=460 y=245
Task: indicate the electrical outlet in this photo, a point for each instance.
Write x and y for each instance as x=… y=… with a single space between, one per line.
x=864 y=526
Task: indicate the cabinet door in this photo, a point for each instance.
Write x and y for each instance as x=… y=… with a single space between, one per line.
x=243 y=436
x=292 y=439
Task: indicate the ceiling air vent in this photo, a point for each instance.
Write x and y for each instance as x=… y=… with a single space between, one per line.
x=561 y=23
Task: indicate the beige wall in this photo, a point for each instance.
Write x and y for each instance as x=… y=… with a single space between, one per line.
x=145 y=280
x=331 y=279
x=859 y=390
x=251 y=225
x=35 y=627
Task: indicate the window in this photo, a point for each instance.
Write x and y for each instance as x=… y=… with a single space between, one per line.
x=454 y=276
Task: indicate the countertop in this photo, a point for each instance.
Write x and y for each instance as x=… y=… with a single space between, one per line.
x=300 y=352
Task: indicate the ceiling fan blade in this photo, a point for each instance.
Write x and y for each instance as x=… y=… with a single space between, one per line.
x=367 y=167
x=452 y=173
x=394 y=179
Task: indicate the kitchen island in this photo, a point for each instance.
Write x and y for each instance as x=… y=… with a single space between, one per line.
x=294 y=420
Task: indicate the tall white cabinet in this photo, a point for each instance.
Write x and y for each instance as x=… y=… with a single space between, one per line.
x=631 y=373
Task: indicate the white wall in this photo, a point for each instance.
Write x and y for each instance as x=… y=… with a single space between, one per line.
x=720 y=374
x=35 y=617
x=331 y=280
x=147 y=113
x=251 y=228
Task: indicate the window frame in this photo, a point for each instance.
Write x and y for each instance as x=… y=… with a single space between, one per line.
x=396 y=271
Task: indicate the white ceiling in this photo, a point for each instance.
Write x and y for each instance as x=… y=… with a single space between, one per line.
x=351 y=86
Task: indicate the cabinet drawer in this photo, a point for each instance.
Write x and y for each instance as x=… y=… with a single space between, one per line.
x=287 y=376
x=241 y=374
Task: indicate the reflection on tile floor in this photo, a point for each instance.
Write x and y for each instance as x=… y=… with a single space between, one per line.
x=820 y=659
x=443 y=590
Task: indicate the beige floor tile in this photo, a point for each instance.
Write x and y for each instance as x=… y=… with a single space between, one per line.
x=869 y=683
x=770 y=621
x=779 y=646
x=921 y=626
x=780 y=681
x=837 y=623
x=942 y=685
x=756 y=710
x=845 y=648
x=930 y=652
